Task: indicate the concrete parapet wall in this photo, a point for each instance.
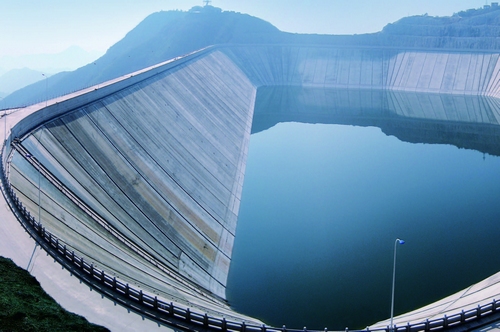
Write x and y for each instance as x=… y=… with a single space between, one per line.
x=436 y=72
x=162 y=160
x=430 y=71
x=160 y=154
x=97 y=92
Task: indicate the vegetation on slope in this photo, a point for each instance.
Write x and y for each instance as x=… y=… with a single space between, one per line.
x=24 y=305
x=160 y=37
x=167 y=34
x=471 y=29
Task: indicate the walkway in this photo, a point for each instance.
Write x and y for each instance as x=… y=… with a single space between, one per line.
x=67 y=290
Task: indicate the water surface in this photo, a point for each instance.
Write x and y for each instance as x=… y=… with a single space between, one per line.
x=322 y=205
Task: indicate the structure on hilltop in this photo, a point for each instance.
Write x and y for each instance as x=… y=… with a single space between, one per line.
x=136 y=183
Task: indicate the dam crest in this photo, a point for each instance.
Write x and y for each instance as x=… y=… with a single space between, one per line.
x=142 y=177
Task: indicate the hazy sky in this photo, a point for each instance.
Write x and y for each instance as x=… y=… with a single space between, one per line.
x=51 y=26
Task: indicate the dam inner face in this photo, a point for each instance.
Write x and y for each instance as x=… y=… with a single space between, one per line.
x=142 y=177
x=326 y=193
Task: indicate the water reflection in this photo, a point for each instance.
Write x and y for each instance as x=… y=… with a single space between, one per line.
x=465 y=121
x=323 y=202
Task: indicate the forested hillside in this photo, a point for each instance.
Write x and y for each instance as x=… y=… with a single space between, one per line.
x=165 y=35
x=471 y=29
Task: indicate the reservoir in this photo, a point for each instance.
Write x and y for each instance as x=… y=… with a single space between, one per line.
x=334 y=177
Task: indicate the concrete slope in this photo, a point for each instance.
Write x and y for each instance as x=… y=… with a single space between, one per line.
x=159 y=156
x=431 y=71
x=162 y=161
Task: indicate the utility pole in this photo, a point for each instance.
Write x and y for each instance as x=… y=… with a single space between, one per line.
x=4 y=121
x=46 y=90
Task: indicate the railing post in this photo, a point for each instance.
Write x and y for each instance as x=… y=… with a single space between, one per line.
x=243 y=327
x=114 y=283
x=462 y=316
x=171 y=311
x=224 y=324
x=445 y=321
x=478 y=311
x=155 y=302
x=283 y=328
x=141 y=298
x=205 y=320
x=263 y=328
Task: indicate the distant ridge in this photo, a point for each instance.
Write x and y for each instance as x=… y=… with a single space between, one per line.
x=159 y=37
x=167 y=34
x=18 y=78
x=471 y=29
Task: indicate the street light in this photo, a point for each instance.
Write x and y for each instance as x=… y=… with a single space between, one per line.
x=39 y=176
x=28 y=155
x=398 y=241
x=46 y=90
x=4 y=120
x=38 y=169
x=95 y=64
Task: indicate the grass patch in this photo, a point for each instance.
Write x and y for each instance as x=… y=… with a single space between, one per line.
x=24 y=305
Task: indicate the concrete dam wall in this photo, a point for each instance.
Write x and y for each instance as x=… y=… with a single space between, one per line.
x=162 y=160
x=418 y=71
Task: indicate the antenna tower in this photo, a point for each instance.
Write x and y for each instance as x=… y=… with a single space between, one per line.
x=207 y=2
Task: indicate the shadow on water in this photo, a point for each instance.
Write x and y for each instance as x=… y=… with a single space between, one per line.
x=334 y=176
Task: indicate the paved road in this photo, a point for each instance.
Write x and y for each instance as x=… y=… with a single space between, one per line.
x=67 y=290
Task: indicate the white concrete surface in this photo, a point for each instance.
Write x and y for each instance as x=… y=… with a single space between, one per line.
x=208 y=104
x=481 y=293
x=76 y=297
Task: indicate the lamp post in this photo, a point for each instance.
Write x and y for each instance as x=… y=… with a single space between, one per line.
x=39 y=216
x=4 y=120
x=46 y=90
x=39 y=201
x=95 y=64
x=39 y=176
x=38 y=170
x=398 y=241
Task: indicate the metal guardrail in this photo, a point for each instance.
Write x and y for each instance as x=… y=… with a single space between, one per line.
x=101 y=221
x=168 y=313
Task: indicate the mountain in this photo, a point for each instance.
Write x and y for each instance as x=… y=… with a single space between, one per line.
x=159 y=37
x=69 y=59
x=16 y=79
x=471 y=29
x=165 y=35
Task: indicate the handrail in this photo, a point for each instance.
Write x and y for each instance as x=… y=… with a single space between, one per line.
x=171 y=314
x=101 y=221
